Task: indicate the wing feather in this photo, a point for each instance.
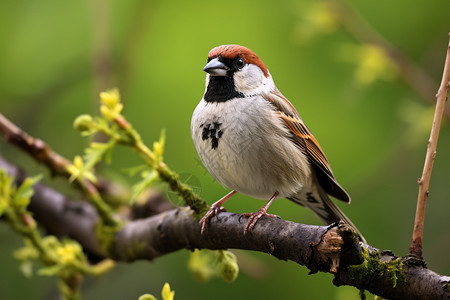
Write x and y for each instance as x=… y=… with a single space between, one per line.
x=307 y=143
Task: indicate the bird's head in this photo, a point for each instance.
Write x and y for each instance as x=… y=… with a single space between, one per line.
x=235 y=72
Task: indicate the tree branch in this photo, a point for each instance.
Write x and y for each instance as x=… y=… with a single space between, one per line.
x=424 y=182
x=36 y=148
x=333 y=249
x=95 y=192
x=58 y=214
x=56 y=163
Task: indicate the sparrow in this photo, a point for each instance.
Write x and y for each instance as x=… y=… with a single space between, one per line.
x=252 y=140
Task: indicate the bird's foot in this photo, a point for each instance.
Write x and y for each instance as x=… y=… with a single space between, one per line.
x=213 y=211
x=254 y=217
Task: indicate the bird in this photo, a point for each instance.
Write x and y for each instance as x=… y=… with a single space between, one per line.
x=253 y=141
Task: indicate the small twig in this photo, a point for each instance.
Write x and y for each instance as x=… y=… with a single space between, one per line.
x=37 y=149
x=58 y=214
x=44 y=154
x=424 y=182
x=61 y=258
x=152 y=158
x=57 y=164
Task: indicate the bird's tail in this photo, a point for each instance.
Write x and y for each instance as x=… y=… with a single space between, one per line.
x=326 y=210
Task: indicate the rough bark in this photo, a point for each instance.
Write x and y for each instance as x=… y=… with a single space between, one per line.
x=333 y=249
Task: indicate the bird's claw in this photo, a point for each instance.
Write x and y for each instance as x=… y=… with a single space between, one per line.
x=254 y=217
x=213 y=211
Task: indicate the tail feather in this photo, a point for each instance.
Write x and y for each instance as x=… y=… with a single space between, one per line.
x=326 y=210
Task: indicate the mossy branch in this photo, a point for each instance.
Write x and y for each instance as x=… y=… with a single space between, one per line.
x=320 y=248
x=120 y=131
x=329 y=249
x=63 y=259
x=76 y=172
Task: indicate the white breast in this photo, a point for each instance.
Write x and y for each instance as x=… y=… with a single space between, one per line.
x=244 y=146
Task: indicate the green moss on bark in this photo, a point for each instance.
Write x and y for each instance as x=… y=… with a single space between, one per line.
x=373 y=265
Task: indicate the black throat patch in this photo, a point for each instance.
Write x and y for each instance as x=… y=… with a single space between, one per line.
x=221 y=89
x=213 y=132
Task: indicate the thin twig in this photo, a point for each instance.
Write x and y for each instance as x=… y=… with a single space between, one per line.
x=424 y=182
x=44 y=154
x=57 y=164
x=37 y=149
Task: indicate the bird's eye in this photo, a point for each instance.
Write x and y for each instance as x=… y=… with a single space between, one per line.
x=240 y=63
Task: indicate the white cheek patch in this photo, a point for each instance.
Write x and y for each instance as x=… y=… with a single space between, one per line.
x=251 y=80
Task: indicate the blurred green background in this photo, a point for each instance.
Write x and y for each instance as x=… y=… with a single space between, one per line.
x=56 y=56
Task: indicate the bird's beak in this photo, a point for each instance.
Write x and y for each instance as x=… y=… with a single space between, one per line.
x=216 y=68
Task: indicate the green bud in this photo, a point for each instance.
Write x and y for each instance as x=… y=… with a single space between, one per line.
x=147 y=297
x=83 y=123
x=228 y=267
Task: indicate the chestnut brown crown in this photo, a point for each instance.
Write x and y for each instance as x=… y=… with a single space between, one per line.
x=233 y=51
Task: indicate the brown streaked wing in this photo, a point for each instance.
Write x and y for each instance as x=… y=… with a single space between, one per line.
x=308 y=144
